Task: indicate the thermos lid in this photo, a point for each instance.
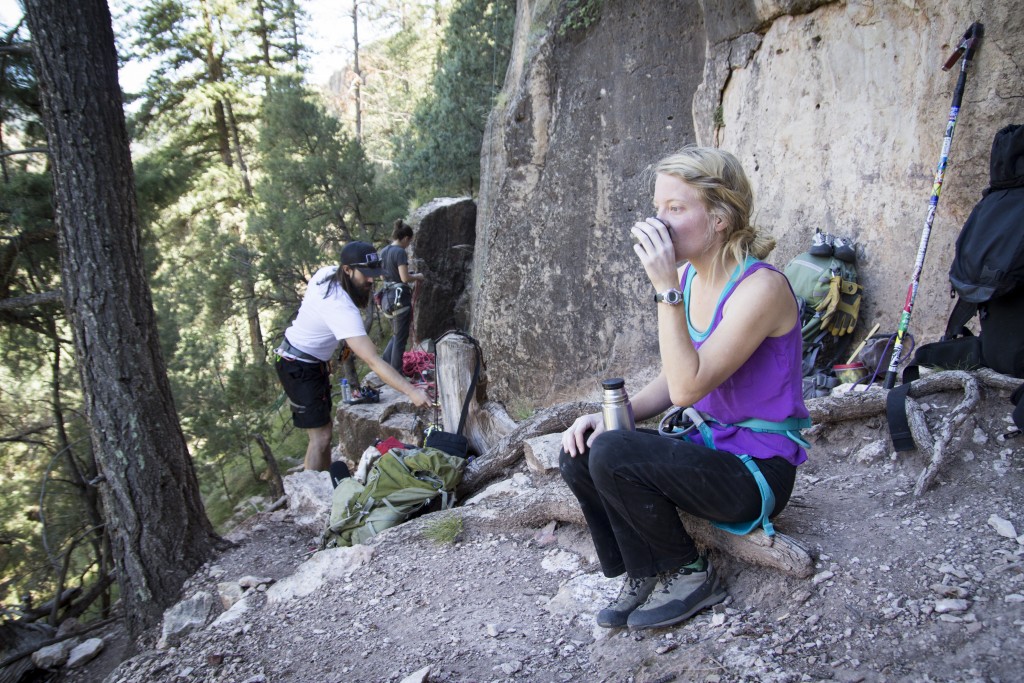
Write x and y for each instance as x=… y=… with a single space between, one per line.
x=613 y=383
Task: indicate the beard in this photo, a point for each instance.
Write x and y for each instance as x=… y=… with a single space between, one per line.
x=359 y=293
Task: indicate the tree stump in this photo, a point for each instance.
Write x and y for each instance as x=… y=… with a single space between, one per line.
x=455 y=358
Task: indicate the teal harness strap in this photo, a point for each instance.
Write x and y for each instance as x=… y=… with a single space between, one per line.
x=789 y=428
x=767 y=504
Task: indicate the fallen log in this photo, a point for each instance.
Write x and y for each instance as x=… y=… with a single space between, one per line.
x=519 y=503
x=857 y=405
x=780 y=551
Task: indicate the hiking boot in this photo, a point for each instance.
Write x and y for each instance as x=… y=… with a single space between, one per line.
x=845 y=249
x=632 y=593
x=822 y=244
x=678 y=596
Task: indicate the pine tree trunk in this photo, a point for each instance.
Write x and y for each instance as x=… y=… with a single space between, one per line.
x=159 y=531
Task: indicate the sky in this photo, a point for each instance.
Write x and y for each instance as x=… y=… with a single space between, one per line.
x=329 y=28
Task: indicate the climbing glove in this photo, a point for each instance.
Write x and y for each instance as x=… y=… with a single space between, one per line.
x=826 y=308
x=840 y=307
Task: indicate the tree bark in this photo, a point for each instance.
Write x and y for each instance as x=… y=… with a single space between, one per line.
x=159 y=531
x=510 y=449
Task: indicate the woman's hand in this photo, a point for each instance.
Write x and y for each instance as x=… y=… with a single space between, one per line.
x=574 y=439
x=657 y=252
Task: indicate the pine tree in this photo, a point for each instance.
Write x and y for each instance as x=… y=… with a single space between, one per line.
x=441 y=153
x=154 y=514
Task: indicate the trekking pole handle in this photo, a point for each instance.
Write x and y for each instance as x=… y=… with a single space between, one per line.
x=966 y=46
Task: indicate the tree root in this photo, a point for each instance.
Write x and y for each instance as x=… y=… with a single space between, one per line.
x=858 y=405
x=510 y=449
x=832 y=409
x=950 y=427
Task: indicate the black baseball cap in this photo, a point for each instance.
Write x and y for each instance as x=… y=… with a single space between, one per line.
x=363 y=256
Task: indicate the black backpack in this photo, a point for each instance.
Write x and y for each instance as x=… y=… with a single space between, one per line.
x=987 y=273
x=987 y=277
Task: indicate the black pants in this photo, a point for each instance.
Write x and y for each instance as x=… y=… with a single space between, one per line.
x=394 y=352
x=630 y=485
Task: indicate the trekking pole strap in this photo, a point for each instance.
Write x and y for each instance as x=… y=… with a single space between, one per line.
x=896 y=416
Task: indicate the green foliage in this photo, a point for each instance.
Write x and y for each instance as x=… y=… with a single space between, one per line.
x=47 y=511
x=440 y=153
x=580 y=15
x=317 y=191
x=396 y=74
x=444 y=529
x=245 y=185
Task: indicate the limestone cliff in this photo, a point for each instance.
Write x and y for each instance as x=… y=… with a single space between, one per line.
x=837 y=110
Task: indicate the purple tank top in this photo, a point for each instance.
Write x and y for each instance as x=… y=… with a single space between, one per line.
x=767 y=387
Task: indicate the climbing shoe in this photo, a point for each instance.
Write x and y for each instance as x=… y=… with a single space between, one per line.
x=677 y=596
x=821 y=245
x=632 y=594
x=845 y=249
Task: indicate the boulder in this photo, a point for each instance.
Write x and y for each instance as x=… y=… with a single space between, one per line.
x=328 y=565
x=442 y=249
x=185 y=617
x=85 y=652
x=360 y=426
x=542 y=452
x=309 y=497
x=53 y=656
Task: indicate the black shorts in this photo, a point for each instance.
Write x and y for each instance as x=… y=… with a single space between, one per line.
x=308 y=387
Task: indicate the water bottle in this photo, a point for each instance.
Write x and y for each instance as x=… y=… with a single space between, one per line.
x=615 y=406
x=345 y=395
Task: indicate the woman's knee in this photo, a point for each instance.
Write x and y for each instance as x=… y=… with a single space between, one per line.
x=606 y=455
x=571 y=467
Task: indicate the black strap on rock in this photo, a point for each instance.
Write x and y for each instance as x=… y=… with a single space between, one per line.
x=1018 y=412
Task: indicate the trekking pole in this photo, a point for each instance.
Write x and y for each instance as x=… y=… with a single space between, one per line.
x=964 y=51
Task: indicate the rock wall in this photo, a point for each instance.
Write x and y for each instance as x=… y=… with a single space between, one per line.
x=837 y=110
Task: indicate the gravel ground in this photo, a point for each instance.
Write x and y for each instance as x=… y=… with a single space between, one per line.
x=906 y=588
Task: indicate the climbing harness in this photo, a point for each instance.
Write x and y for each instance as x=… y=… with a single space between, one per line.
x=681 y=422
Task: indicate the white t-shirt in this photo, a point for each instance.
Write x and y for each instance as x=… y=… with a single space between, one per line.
x=323 y=322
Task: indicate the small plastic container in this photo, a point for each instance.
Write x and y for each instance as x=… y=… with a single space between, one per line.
x=850 y=373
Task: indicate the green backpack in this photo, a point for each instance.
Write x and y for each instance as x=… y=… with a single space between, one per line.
x=401 y=483
x=810 y=275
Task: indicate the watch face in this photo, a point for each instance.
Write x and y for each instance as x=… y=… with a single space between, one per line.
x=672 y=296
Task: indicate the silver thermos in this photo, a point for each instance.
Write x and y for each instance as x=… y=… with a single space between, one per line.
x=615 y=406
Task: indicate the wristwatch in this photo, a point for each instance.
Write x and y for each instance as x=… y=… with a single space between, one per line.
x=669 y=296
